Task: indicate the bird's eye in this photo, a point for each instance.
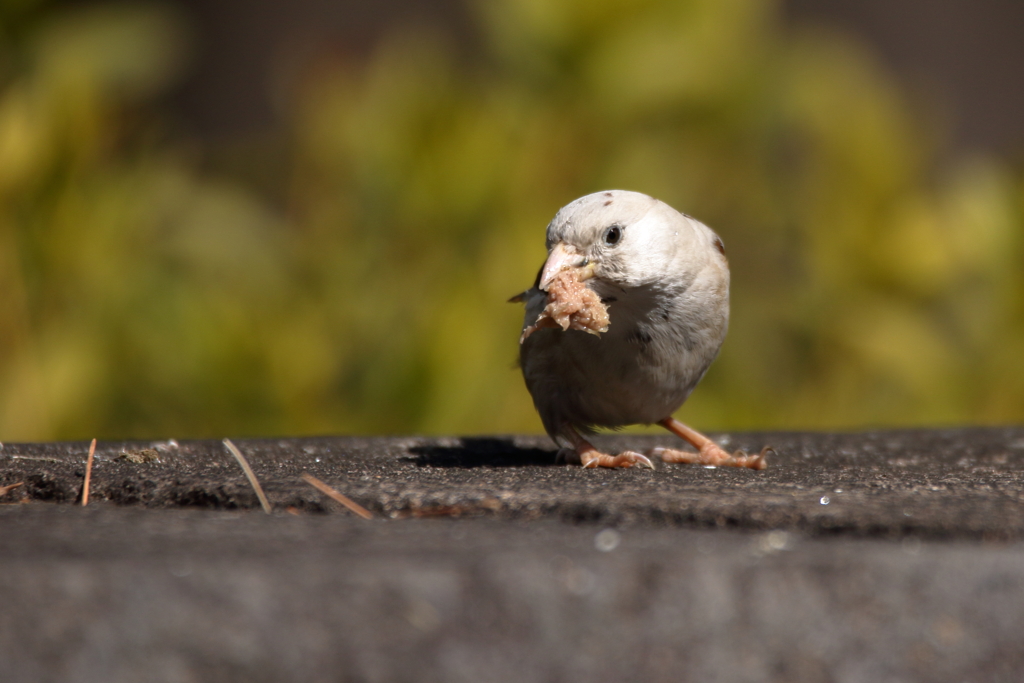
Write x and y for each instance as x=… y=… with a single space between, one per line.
x=612 y=235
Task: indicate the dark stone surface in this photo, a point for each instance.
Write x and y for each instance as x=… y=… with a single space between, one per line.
x=488 y=562
x=930 y=484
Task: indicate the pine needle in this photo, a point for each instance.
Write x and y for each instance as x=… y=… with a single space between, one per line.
x=88 y=474
x=249 y=475
x=4 y=490
x=344 y=500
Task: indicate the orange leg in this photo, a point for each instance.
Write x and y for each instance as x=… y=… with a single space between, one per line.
x=589 y=456
x=709 y=453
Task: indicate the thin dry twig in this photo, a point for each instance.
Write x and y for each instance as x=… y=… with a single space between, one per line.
x=344 y=500
x=249 y=474
x=88 y=474
x=4 y=490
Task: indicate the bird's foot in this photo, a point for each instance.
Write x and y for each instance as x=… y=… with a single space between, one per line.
x=712 y=454
x=623 y=459
x=592 y=458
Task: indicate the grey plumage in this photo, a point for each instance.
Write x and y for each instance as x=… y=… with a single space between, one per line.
x=665 y=279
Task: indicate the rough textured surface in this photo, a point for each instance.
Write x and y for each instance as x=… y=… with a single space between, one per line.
x=505 y=567
x=938 y=484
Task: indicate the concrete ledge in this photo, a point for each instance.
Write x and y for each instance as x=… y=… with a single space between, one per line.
x=930 y=484
x=503 y=567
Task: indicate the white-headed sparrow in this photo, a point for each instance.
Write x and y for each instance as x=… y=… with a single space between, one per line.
x=664 y=279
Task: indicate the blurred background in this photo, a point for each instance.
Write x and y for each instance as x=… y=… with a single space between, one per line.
x=249 y=217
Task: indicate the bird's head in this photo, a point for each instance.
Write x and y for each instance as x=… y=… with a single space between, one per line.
x=624 y=239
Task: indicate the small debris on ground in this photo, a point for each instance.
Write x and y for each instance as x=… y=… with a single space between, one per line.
x=338 y=497
x=4 y=490
x=249 y=474
x=141 y=456
x=88 y=474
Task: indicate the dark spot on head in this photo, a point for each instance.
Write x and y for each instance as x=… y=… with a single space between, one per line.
x=608 y=194
x=719 y=245
x=608 y=203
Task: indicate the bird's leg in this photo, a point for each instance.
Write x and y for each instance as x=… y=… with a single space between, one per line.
x=589 y=456
x=709 y=453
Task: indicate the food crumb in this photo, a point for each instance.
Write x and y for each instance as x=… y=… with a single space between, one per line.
x=571 y=305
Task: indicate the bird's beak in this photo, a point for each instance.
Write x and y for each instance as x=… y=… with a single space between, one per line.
x=564 y=257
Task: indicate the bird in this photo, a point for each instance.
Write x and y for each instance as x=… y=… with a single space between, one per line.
x=663 y=277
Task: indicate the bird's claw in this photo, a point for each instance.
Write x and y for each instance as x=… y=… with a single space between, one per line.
x=638 y=459
x=592 y=459
x=755 y=462
x=712 y=454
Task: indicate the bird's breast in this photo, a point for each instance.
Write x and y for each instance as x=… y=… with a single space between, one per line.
x=640 y=371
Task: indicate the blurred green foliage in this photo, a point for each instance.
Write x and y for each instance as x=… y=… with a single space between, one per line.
x=143 y=296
